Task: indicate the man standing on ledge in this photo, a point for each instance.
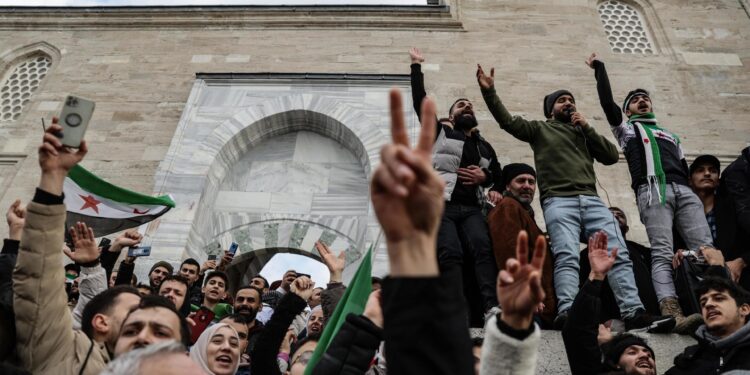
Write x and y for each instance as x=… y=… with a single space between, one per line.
x=467 y=163
x=660 y=179
x=565 y=147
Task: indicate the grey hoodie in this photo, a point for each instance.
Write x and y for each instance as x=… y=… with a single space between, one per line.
x=740 y=337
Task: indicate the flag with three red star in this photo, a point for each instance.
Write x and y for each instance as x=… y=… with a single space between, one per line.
x=108 y=208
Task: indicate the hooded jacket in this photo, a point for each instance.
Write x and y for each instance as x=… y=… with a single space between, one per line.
x=45 y=339
x=713 y=355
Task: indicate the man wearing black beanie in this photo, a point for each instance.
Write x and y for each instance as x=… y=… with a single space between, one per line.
x=514 y=214
x=468 y=164
x=565 y=147
x=660 y=178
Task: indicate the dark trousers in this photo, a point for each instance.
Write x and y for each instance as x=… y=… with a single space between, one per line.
x=464 y=229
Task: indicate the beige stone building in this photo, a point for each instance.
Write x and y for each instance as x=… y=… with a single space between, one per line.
x=265 y=122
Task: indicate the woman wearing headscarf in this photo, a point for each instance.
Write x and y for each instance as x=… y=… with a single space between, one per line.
x=217 y=350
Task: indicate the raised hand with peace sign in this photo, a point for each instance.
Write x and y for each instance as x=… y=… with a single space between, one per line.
x=519 y=285
x=407 y=194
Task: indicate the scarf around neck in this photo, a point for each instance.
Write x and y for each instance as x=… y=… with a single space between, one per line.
x=649 y=131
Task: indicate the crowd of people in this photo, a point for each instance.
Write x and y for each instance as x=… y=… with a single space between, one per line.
x=464 y=249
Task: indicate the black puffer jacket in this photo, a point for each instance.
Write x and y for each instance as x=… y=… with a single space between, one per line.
x=714 y=356
x=7 y=319
x=263 y=355
x=353 y=348
x=733 y=213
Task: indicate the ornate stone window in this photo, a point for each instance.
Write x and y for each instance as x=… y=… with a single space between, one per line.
x=20 y=83
x=625 y=28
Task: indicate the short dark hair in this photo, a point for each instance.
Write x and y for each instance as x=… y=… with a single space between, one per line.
x=176 y=278
x=265 y=281
x=376 y=280
x=720 y=284
x=237 y=317
x=191 y=262
x=142 y=285
x=218 y=274
x=477 y=342
x=73 y=267
x=615 y=208
x=102 y=303
x=314 y=337
x=154 y=301
x=450 y=110
x=260 y=292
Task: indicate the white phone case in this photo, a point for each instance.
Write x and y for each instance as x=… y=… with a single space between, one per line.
x=74 y=120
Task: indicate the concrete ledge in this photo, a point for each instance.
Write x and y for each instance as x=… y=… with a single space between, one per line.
x=390 y=17
x=553 y=360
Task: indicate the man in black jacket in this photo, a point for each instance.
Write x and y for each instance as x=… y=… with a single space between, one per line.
x=733 y=217
x=467 y=163
x=724 y=340
x=659 y=178
x=15 y=218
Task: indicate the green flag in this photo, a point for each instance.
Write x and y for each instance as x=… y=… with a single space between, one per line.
x=353 y=301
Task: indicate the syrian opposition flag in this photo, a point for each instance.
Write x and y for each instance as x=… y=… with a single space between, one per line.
x=107 y=208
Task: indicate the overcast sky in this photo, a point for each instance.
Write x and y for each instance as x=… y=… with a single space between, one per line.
x=73 y=3
x=280 y=263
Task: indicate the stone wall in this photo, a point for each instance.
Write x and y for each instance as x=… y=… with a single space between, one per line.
x=140 y=66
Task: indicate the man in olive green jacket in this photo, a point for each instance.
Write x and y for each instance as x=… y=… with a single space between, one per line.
x=565 y=147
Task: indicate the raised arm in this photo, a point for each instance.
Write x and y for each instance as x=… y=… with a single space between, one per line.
x=93 y=279
x=418 y=93
x=520 y=128
x=581 y=329
x=407 y=195
x=606 y=100
x=44 y=327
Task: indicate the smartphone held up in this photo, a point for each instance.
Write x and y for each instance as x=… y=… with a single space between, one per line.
x=74 y=120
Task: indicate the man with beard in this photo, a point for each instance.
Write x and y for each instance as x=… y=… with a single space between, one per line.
x=175 y=289
x=514 y=214
x=159 y=271
x=152 y=321
x=565 y=147
x=660 y=179
x=468 y=164
x=248 y=303
x=724 y=340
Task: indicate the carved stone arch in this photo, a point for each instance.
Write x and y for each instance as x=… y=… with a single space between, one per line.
x=23 y=72
x=10 y=57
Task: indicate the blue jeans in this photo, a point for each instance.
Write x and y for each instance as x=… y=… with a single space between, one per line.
x=568 y=220
x=683 y=210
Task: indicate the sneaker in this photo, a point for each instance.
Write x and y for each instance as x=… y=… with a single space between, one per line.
x=560 y=321
x=644 y=322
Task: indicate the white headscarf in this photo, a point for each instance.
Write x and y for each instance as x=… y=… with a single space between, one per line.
x=199 y=351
